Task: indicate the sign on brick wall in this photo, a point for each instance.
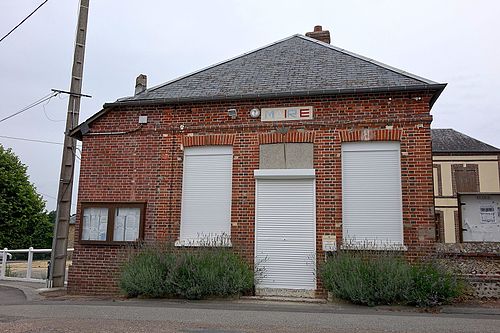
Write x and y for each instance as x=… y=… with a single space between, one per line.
x=291 y=113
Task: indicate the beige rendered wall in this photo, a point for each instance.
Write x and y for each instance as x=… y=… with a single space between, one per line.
x=489 y=181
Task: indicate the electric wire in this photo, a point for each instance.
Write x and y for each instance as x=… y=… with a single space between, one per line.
x=40 y=141
x=30 y=140
x=32 y=105
x=27 y=17
x=47 y=116
x=53 y=197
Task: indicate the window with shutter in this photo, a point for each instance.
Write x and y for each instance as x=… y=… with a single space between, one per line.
x=371 y=195
x=206 y=196
x=465 y=178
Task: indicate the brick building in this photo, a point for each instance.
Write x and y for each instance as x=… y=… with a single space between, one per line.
x=282 y=152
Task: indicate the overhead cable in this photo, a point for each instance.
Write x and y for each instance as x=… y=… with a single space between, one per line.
x=30 y=140
x=27 y=17
x=32 y=105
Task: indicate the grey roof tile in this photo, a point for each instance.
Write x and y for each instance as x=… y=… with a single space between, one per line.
x=297 y=64
x=447 y=140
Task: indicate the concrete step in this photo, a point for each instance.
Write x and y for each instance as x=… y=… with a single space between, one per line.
x=285 y=299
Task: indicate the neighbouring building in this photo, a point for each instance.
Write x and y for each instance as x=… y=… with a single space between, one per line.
x=283 y=153
x=466 y=176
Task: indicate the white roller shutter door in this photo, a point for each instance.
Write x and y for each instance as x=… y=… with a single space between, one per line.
x=285 y=233
x=371 y=193
x=206 y=193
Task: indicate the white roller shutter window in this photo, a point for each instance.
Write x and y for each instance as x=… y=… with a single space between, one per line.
x=206 y=195
x=371 y=194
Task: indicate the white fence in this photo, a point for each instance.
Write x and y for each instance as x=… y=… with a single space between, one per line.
x=6 y=254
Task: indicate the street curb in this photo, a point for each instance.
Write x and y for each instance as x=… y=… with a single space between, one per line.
x=471 y=310
x=284 y=299
x=31 y=293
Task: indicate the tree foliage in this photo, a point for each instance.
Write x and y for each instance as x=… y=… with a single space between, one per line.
x=24 y=221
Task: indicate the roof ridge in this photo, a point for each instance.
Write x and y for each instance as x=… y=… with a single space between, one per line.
x=369 y=60
x=218 y=64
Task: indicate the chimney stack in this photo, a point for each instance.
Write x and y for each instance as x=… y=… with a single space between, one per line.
x=320 y=34
x=141 y=84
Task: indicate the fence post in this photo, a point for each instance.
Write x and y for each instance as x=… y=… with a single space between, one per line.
x=30 y=263
x=4 y=263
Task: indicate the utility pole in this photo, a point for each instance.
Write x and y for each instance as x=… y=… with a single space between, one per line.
x=61 y=227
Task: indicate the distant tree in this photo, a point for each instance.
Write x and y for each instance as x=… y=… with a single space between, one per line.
x=24 y=221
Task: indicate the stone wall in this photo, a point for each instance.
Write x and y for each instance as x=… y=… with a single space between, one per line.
x=478 y=263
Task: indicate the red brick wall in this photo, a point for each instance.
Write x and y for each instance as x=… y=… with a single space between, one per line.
x=146 y=165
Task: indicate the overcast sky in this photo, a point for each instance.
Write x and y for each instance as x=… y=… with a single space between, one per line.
x=454 y=42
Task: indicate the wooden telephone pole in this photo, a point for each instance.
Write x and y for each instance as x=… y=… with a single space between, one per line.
x=61 y=227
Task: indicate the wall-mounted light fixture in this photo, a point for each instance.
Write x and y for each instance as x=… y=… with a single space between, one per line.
x=255 y=113
x=232 y=113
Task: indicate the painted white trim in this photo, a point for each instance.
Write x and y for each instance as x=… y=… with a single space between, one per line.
x=374 y=247
x=284 y=173
x=201 y=243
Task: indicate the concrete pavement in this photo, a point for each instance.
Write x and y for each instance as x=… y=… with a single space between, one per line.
x=10 y=295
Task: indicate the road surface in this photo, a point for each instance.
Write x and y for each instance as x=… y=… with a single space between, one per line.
x=18 y=314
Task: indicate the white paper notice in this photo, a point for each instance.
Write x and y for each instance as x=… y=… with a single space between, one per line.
x=132 y=230
x=119 y=228
x=487 y=214
x=127 y=223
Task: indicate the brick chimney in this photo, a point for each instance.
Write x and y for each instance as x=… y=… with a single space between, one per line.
x=141 y=84
x=320 y=34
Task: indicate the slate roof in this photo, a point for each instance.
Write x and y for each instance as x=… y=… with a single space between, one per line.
x=447 y=140
x=294 y=66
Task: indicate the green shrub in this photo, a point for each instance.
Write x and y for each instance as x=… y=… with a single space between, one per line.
x=366 y=280
x=193 y=274
x=433 y=285
x=144 y=274
x=371 y=278
x=212 y=272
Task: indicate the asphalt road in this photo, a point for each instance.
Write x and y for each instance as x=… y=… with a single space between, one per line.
x=90 y=315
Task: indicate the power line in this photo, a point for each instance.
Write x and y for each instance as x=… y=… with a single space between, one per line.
x=30 y=140
x=32 y=105
x=27 y=17
x=52 y=197
x=47 y=195
x=40 y=141
x=47 y=116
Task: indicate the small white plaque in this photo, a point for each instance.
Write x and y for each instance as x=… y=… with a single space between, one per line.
x=329 y=243
x=289 y=113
